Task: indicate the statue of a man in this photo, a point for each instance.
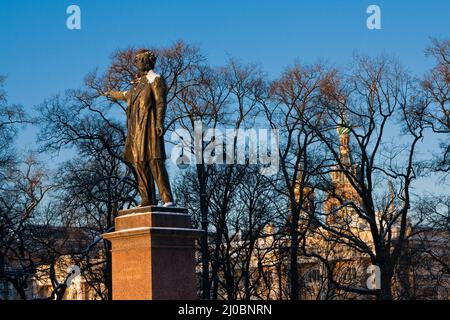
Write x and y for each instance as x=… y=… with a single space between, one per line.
x=144 y=146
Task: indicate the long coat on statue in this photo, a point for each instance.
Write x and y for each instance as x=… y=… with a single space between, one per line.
x=145 y=113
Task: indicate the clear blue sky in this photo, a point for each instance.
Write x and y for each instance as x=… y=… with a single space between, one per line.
x=41 y=57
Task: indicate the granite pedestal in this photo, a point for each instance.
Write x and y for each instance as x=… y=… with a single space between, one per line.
x=153 y=254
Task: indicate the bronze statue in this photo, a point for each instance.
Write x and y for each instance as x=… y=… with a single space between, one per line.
x=144 y=146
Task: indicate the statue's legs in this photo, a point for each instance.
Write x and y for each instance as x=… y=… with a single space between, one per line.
x=146 y=184
x=159 y=172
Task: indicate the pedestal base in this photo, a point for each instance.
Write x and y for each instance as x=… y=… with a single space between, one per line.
x=153 y=255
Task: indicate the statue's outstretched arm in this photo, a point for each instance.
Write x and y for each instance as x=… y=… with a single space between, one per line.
x=117 y=95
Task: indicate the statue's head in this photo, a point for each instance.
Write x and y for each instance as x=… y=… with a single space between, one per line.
x=145 y=60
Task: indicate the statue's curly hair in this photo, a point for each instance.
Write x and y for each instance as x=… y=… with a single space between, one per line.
x=150 y=53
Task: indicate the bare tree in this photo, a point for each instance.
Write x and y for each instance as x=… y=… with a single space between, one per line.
x=22 y=188
x=426 y=269
x=437 y=85
x=94 y=185
x=223 y=98
x=11 y=116
x=291 y=108
x=368 y=105
x=201 y=105
x=21 y=194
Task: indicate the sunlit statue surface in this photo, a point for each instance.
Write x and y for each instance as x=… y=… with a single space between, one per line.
x=144 y=146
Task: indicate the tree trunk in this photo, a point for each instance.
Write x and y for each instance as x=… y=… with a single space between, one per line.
x=294 y=259
x=206 y=290
x=385 y=293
